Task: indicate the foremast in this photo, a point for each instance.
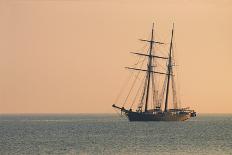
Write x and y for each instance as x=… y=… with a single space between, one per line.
x=149 y=68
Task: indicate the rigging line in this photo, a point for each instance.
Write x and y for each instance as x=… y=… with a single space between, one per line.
x=161 y=49
x=177 y=73
x=174 y=98
x=124 y=86
x=162 y=53
x=133 y=84
x=154 y=99
x=152 y=92
x=161 y=98
x=139 y=62
x=140 y=57
x=153 y=84
x=161 y=66
x=174 y=93
x=131 y=88
x=140 y=105
x=128 y=79
x=173 y=85
x=178 y=88
x=155 y=63
x=138 y=92
x=145 y=46
x=158 y=63
x=165 y=36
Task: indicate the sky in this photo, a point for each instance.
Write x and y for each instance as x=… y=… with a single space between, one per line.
x=68 y=56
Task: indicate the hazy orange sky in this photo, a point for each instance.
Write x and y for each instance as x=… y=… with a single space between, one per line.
x=67 y=56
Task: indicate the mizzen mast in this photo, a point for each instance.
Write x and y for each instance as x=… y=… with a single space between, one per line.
x=169 y=72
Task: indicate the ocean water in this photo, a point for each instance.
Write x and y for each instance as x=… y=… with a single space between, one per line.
x=112 y=134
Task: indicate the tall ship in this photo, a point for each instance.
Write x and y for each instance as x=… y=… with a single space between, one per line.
x=156 y=97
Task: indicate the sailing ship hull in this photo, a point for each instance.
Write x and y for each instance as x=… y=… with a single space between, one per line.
x=164 y=116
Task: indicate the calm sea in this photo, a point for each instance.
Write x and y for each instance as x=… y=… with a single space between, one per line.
x=112 y=134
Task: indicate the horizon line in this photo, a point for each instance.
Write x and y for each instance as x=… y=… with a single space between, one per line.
x=83 y=113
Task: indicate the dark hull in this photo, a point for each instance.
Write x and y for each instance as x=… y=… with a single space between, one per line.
x=164 y=116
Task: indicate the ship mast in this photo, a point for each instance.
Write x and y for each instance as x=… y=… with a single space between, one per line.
x=149 y=67
x=169 y=70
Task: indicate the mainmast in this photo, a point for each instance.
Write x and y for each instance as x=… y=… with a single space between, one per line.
x=149 y=67
x=169 y=70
